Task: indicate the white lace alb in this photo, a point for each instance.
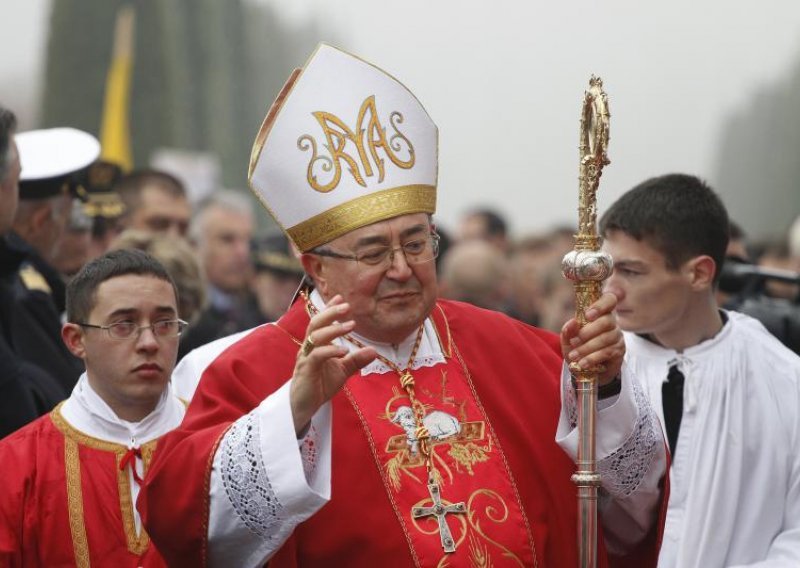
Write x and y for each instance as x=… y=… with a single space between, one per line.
x=245 y=479
x=624 y=470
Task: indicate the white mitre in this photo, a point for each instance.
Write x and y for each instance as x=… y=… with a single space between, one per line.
x=343 y=146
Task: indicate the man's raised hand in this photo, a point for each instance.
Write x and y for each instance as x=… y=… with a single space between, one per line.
x=322 y=368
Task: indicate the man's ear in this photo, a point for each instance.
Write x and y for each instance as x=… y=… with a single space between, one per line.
x=73 y=336
x=41 y=216
x=701 y=271
x=316 y=270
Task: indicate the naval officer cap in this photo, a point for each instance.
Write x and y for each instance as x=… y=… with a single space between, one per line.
x=50 y=158
x=95 y=187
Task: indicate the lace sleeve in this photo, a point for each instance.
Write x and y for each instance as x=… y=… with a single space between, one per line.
x=308 y=451
x=264 y=482
x=631 y=459
x=570 y=400
x=623 y=470
x=245 y=480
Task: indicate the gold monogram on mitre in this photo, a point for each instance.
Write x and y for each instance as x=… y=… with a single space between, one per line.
x=358 y=148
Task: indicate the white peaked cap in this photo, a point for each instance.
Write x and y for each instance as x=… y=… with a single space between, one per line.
x=54 y=152
x=343 y=146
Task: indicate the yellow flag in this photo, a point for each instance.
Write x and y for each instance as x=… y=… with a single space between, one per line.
x=115 y=139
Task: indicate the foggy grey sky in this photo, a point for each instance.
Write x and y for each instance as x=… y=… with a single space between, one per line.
x=504 y=81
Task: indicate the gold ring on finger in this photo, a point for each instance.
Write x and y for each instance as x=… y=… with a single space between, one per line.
x=308 y=346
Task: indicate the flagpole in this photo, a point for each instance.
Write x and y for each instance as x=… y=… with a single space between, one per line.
x=114 y=127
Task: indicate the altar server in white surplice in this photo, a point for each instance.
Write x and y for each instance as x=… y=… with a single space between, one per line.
x=727 y=392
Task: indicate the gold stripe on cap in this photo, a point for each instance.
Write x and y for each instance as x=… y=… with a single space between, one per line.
x=363 y=211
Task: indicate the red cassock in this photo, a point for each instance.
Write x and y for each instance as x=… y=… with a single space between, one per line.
x=65 y=501
x=492 y=409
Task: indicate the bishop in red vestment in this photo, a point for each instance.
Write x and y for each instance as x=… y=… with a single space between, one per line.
x=373 y=425
x=499 y=382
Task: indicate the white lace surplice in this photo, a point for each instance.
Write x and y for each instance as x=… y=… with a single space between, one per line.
x=735 y=476
x=631 y=458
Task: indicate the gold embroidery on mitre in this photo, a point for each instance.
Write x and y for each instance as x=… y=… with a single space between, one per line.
x=363 y=211
x=371 y=137
x=269 y=122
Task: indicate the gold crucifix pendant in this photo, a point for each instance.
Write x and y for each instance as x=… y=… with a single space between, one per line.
x=440 y=510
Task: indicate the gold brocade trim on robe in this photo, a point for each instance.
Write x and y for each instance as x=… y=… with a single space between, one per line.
x=382 y=473
x=469 y=447
x=73 y=438
x=468 y=376
x=77 y=528
x=447 y=347
x=362 y=211
x=478 y=543
x=136 y=544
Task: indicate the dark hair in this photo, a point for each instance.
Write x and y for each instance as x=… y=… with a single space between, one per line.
x=82 y=289
x=178 y=259
x=735 y=230
x=677 y=214
x=130 y=186
x=8 y=125
x=445 y=242
x=495 y=223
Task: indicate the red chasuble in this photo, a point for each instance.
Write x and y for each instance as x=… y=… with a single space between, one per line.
x=492 y=411
x=66 y=502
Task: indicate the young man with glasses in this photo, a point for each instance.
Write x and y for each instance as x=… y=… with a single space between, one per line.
x=72 y=477
x=426 y=428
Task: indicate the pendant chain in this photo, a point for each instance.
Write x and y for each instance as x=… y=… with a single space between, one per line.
x=406 y=381
x=438 y=509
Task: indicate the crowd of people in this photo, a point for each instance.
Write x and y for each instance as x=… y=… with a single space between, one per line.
x=366 y=364
x=74 y=207
x=522 y=276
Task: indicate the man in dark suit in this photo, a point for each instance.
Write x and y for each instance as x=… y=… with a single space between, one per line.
x=26 y=391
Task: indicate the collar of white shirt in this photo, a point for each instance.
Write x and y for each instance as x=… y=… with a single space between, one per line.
x=86 y=411
x=430 y=350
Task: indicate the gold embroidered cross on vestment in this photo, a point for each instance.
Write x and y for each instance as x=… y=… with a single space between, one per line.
x=438 y=509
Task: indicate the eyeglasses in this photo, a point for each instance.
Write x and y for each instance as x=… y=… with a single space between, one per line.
x=417 y=251
x=128 y=330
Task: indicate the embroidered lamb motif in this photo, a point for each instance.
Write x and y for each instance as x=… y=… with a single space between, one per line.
x=440 y=425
